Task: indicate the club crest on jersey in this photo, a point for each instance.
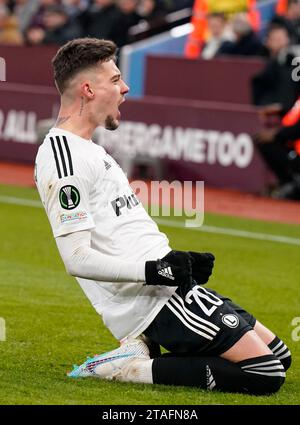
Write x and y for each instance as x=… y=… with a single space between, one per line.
x=230 y=320
x=69 y=197
x=125 y=201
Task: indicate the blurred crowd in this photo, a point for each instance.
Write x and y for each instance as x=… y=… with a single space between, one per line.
x=274 y=91
x=279 y=45
x=35 y=22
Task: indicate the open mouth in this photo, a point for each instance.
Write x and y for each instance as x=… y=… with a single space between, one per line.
x=119 y=113
x=122 y=101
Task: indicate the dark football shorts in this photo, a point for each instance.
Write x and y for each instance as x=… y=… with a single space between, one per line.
x=197 y=321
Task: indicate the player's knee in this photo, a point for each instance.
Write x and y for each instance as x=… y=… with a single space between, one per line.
x=266 y=385
x=272 y=385
x=265 y=374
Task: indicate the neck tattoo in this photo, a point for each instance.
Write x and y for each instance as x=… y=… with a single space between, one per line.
x=81 y=106
x=62 y=120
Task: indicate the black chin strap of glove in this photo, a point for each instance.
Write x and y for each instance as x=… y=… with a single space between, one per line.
x=163 y=272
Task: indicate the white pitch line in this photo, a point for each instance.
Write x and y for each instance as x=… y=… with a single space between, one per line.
x=231 y=232
x=20 y=201
x=178 y=225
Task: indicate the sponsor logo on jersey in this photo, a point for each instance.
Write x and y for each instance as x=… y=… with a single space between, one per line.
x=230 y=320
x=69 y=197
x=125 y=201
x=80 y=215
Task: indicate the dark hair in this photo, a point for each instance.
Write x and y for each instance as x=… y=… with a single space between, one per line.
x=80 y=54
x=59 y=10
x=277 y=25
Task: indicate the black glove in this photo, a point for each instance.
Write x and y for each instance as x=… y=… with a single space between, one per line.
x=202 y=264
x=177 y=273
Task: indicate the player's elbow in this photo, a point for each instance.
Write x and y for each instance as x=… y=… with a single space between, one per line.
x=73 y=264
x=71 y=267
x=74 y=249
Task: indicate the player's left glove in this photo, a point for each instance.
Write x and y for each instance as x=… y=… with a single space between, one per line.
x=202 y=264
x=163 y=272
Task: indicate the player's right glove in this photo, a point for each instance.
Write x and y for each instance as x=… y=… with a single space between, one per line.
x=202 y=264
x=161 y=272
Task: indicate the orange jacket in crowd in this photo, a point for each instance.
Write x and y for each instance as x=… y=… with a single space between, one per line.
x=9 y=31
x=292 y=119
x=202 y=8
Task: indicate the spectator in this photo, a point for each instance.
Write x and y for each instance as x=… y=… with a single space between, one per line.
x=291 y=21
x=173 y=5
x=219 y=35
x=37 y=19
x=103 y=20
x=274 y=84
x=34 y=35
x=129 y=18
x=151 y=11
x=76 y=10
x=153 y=19
x=246 y=41
x=75 y=7
x=24 y=11
x=9 y=28
x=57 y=28
x=280 y=148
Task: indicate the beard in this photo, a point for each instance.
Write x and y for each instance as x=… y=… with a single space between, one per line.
x=111 y=123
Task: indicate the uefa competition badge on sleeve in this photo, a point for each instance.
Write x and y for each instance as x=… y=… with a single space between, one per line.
x=69 y=197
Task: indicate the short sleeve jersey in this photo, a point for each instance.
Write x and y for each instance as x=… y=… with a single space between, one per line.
x=83 y=188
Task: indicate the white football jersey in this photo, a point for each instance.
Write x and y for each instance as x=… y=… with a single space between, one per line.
x=82 y=187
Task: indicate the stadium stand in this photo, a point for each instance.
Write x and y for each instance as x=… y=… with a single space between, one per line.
x=209 y=106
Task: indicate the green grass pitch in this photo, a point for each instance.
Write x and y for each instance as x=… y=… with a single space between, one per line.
x=51 y=325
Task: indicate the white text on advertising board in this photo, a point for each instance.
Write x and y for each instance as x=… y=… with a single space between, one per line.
x=178 y=143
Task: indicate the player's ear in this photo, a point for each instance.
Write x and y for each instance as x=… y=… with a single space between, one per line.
x=87 y=91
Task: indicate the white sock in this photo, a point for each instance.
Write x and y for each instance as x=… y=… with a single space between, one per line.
x=138 y=371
